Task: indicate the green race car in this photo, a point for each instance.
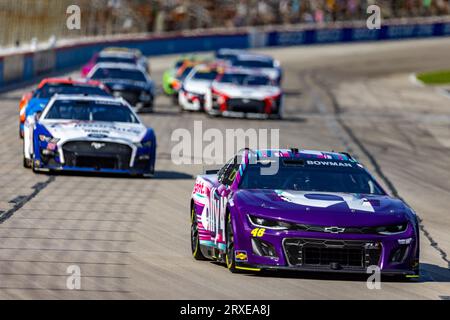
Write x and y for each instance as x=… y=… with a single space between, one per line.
x=173 y=77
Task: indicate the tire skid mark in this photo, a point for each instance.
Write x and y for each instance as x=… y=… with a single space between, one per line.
x=337 y=116
x=20 y=201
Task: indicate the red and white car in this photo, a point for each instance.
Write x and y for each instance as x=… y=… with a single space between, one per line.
x=244 y=93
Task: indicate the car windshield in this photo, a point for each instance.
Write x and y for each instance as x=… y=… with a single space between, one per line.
x=123 y=74
x=49 y=90
x=116 y=60
x=184 y=73
x=207 y=75
x=91 y=111
x=178 y=64
x=320 y=178
x=253 y=63
x=245 y=79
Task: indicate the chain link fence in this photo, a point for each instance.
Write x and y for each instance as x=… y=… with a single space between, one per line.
x=24 y=22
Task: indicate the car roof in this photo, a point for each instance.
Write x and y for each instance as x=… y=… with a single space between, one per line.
x=301 y=154
x=240 y=70
x=118 y=54
x=81 y=97
x=68 y=81
x=230 y=51
x=123 y=66
x=254 y=57
x=121 y=50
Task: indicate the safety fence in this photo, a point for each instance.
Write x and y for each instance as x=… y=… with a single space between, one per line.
x=23 y=66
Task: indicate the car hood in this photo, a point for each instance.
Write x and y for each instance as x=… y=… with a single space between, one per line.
x=322 y=208
x=198 y=87
x=95 y=130
x=248 y=92
x=272 y=73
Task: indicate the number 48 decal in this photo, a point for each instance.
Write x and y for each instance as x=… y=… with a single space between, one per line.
x=258 y=232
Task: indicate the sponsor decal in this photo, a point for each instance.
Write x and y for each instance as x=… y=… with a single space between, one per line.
x=334 y=230
x=241 y=256
x=213 y=216
x=51 y=146
x=326 y=200
x=97 y=136
x=98 y=145
x=329 y=163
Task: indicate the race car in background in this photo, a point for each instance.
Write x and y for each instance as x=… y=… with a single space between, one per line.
x=228 y=55
x=173 y=78
x=192 y=93
x=241 y=92
x=116 y=55
x=89 y=134
x=264 y=64
x=301 y=210
x=128 y=81
x=35 y=101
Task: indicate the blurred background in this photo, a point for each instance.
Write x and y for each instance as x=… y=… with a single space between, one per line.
x=29 y=21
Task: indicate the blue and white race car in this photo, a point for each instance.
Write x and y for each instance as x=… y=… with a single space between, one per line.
x=90 y=134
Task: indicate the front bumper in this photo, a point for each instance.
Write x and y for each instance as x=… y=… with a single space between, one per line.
x=191 y=102
x=246 y=108
x=114 y=158
x=324 y=252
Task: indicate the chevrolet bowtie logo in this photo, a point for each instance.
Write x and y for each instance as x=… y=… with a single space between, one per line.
x=97 y=145
x=334 y=230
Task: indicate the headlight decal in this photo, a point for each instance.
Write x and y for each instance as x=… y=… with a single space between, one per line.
x=268 y=223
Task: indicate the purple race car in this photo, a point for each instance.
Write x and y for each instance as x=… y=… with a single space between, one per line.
x=301 y=210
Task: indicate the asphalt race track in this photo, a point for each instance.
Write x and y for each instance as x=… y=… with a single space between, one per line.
x=131 y=237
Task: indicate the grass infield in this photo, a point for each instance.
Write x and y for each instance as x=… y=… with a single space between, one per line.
x=435 y=77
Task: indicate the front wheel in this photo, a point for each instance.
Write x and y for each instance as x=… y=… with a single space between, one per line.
x=195 y=239
x=229 y=257
x=27 y=163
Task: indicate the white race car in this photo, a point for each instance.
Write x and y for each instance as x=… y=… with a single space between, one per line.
x=244 y=93
x=89 y=133
x=192 y=93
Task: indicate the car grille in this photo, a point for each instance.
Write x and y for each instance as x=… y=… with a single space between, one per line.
x=98 y=155
x=349 y=230
x=340 y=254
x=246 y=105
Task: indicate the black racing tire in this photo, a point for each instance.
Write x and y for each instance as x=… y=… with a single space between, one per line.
x=195 y=240
x=229 y=255
x=175 y=99
x=27 y=163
